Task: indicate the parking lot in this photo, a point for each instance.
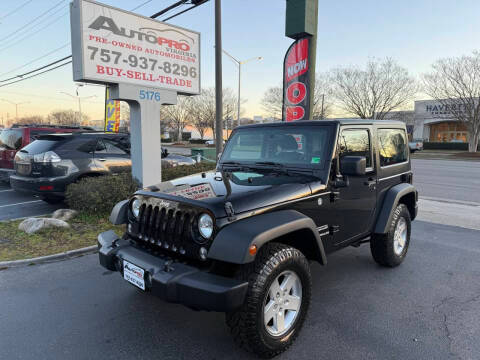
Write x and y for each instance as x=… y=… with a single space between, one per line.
x=14 y=205
x=428 y=308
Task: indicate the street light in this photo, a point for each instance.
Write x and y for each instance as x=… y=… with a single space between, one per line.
x=239 y=64
x=16 y=106
x=79 y=101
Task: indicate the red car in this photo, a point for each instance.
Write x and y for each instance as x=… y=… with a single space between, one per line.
x=18 y=136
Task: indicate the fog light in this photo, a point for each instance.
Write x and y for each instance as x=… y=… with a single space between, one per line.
x=203 y=253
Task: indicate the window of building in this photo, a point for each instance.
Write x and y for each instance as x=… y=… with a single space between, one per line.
x=392 y=146
x=356 y=142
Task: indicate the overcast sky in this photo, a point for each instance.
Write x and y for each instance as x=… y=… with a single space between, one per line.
x=414 y=32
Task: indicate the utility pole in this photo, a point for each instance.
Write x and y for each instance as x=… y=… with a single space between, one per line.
x=218 y=79
x=239 y=63
x=323 y=100
x=79 y=121
x=16 y=107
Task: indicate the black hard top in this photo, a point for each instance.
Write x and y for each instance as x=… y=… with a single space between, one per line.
x=334 y=122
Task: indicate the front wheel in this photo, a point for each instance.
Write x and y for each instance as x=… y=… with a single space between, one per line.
x=277 y=301
x=391 y=248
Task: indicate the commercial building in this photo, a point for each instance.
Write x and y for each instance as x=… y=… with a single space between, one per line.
x=435 y=122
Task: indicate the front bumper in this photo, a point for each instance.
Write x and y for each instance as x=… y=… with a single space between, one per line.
x=32 y=185
x=173 y=281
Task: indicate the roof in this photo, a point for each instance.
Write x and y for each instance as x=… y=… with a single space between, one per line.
x=84 y=133
x=329 y=122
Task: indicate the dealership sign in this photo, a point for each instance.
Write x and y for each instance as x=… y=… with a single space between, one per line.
x=110 y=45
x=296 y=83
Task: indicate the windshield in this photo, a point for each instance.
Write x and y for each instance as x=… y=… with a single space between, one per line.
x=11 y=139
x=299 y=146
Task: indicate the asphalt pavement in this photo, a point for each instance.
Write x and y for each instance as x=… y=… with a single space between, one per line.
x=427 y=308
x=447 y=179
x=15 y=205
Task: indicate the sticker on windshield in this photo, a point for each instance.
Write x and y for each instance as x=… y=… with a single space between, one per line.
x=315 y=160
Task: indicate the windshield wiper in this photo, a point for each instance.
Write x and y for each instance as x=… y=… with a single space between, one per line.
x=231 y=165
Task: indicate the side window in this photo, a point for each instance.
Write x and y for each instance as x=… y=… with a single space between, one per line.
x=392 y=146
x=356 y=142
x=112 y=148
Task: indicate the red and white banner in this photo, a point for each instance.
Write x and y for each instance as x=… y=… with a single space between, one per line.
x=296 y=83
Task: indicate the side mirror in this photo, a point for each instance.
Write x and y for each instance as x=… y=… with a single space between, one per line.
x=353 y=165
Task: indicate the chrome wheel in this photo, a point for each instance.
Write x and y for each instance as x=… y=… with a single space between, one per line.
x=400 y=236
x=282 y=303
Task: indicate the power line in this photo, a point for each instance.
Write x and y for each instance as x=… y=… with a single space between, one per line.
x=32 y=61
x=195 y=2
x=40 y=73
x=16 y=9
x=139 y=6
x=16 y=42
x=40 y=68
x=32 y=21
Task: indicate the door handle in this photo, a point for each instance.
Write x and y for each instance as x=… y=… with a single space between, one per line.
x=370 y=182
x=102 y=159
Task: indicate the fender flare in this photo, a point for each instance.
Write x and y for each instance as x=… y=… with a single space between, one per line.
x=390 y=202
x=119 y=216
x=233 y=241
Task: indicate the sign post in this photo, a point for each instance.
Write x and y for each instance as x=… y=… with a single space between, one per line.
x=144 y=62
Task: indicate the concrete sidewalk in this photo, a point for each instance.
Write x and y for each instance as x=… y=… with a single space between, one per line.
x=449 y=212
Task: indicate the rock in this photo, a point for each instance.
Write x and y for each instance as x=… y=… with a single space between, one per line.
x=64 y=214
x=32 y=225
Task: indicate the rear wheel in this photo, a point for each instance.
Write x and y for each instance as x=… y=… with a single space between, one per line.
x=277 y=301
x=391 y=248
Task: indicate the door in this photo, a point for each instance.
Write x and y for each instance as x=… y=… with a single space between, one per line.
x=111 y=156
x=356 y=201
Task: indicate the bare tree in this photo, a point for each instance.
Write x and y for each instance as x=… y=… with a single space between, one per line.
x=28 y=120
x=202 y=108
x=66 y=117
x=177 y=116
x=272 y=100
x=455 y=84
x=372 y=93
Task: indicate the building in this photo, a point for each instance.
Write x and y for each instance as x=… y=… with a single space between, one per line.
x=434 y=122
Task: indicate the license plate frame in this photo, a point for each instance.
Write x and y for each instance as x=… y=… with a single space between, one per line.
x=134 y=274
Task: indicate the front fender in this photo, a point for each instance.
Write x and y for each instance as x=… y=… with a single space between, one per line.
x=233 y=242
x=392 y=198
x=119 y=215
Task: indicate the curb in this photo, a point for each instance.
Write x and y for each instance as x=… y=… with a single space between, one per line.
x=50 y=258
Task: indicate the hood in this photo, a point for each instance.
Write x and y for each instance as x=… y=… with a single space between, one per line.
x=246 y=191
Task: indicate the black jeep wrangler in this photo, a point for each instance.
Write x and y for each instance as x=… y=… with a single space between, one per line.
x=239 y=239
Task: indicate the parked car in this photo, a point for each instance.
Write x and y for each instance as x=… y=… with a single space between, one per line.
x=14 y=138
x=46 y=166
x=239 y=239
x=212 y=142
x=415 y=145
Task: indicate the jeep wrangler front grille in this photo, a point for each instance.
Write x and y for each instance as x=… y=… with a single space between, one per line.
x=166 y=228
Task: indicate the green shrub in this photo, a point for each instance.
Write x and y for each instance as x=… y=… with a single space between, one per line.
x=99 y=194
x=179 y=171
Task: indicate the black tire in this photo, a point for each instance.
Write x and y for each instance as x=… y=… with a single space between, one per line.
x=247 y=323
x=53 y=200
x=382 y=246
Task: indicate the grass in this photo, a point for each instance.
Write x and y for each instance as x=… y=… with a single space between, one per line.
x=84 y=229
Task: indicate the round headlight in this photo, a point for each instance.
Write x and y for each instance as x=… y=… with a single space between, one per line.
x=136 y=208
x=205 y=225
